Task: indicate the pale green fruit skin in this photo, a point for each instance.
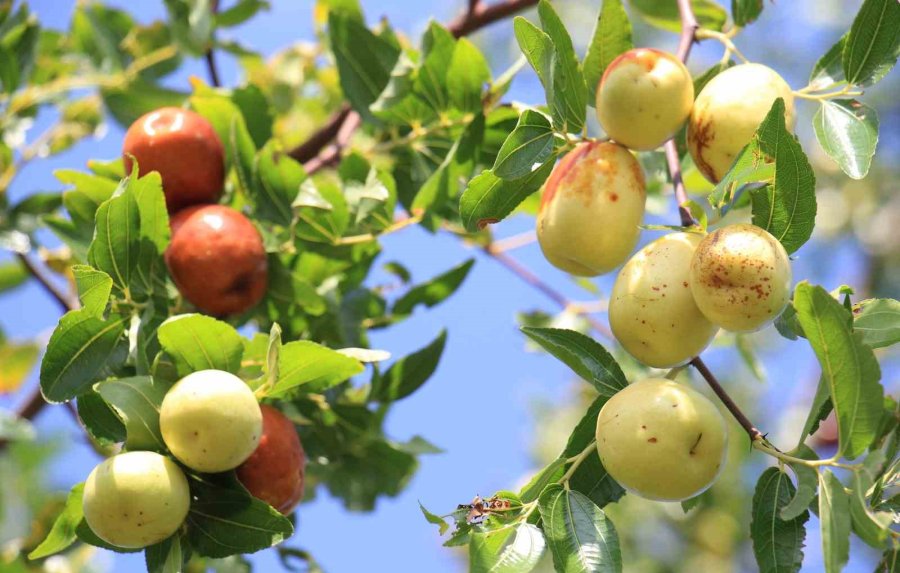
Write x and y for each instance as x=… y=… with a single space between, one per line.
x=591 y=209
x=652 y=311
x=136 y=499
x=661 y=440
x=210 y=420
x=644 y=98
x=727 y=112
x=741 y=277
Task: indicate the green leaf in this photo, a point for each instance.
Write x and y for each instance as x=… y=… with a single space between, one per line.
x=871 y=526
x=240 y=12
x=787 y=208
x=94 y=288
x=167 y=556
x=77 y=352
x=777 y=543
x=321 y=210
x=848 y=366
x=828 y=70
x=279 y=179
x=438 y=45
x=17 y=359
x=848 y=132
x=138 y=97
x=612 y=37
x=197 y=342
x=745 y=12
x=116 y=245
x=407 y=375
x=192 y=24
x=530 y=142
x=550 y=474
x=538 y=49
x=569 y=99
x=226 y=521
x=443 y=526
x=665 y=14
x=873 y=43
x=137 y=401
x=878 y=321
x=467 y=76
x=364 y=60
x=807 y=484
x=590 y=478
x=890 y=562
x=62 y=534
x=99 y=419
x=256 y=111
x=587 y=358
x=155 y=233
x=515 y=550
x=489 y=199
x=312 y=367
x=12 y=275
x=834 y=518
x=581 y=538
x=819 y=410
x=434 y=291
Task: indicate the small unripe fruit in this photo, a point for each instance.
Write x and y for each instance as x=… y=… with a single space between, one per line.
x=652 y=311
x=184 y=148
x=644 y=98
x=727 y=112
x=136 y=499
x=661 y=440
x=274 y=472
x=590 y=210
x=741 y=277
x=210 y=420
x=217 y=259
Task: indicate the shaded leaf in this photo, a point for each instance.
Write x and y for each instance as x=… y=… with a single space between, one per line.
x=777 y=543
x=583 y=355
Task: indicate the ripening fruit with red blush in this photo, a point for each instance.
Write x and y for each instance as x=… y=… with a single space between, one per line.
x=274 y=472
x=217 y=259
x=183 y=147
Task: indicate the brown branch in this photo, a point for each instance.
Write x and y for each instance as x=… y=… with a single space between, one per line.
x=681 y=196
x=689 y=27
x=64 y=301
x=332 y=155
x=732 y=407
x=476 y=16
x=211 y=53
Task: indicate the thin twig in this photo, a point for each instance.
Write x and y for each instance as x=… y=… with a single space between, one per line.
x=742 y=419
x=64 y=301
x=211 y=53
x=318 y=140
x=482 y=15
x=689 y=27
x=332 y=155
x=681 y=196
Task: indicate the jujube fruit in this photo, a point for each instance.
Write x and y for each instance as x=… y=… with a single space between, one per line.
x=590 y=209
x=652 y=310
x=217 y=259
x=210 y=420
x=136 y=499
x=661 y=440
x=727 y=113
x=184 y=148
x=741 y=277
x=274 y=471
x=644 y=98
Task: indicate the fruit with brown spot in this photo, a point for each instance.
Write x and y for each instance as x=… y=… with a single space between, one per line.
x=644 y=98
x=274 y=471
x=183 y=147
x=651 y=309
x=741 y=277
x=591 y=209
x=217 y=259
x=661 y=440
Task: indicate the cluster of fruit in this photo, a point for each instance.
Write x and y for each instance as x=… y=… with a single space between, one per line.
x=210 y=420
x=671 y=298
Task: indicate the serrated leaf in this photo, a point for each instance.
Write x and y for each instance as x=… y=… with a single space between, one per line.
x=489 y=199
x=197 y=342
x=590 y=478
x=848 y=367
x=116 y=245
x=587 y=358
x=137 y=401
x=581 y=538
x=530 y=142
x=848 y=132
x=807 y=484
x=62 y=534
x=312 y=367
x=834 y=518
x=869 y=525
x=552 y=473
x=99 y=419
x=408 y=374
x=828 y=70
x=77 y=352
x=434 y=291
x=878 y=321
x=94 y=287
x=873 y=43
x=569 y=99
x=279 y=180
x=612 y=37
x=537 y=47
x=777 y=543
x=786 y=208
x=515 y=550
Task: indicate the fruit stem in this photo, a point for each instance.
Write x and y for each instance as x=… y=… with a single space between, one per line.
x=832 y=462
x=724 y=39
x=845 y=91
x=576 y=461
x=743 y=420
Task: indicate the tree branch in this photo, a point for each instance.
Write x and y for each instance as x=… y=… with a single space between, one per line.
x=211 y=54
x=476 y=16
x=64 y=301
x=742 y=419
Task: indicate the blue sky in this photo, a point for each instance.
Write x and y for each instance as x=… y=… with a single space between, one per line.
x=479 y=405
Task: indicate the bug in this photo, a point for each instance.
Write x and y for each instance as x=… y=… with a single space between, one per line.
x=479 y=509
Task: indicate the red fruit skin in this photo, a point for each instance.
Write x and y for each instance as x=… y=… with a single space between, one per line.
x=217 y=259
x=274 y=472
x=184 y=148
